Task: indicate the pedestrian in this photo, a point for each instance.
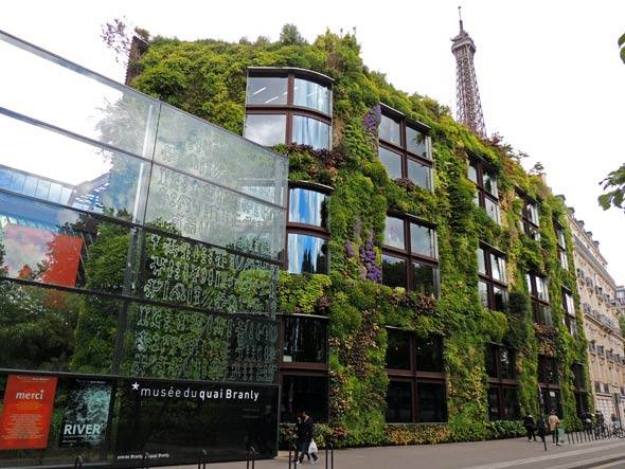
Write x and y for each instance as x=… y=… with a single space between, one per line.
x=542 y=426
x=530 y=427
x=600 y=424
x=305 y=434
x=587 y=419
x=554 y=424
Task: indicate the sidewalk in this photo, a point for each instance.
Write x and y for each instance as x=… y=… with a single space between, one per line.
x=498 y=454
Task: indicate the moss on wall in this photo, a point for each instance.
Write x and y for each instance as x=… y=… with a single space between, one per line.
x=207 y=78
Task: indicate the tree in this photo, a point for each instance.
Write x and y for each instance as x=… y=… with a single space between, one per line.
x=621 y=44
x=291 y=36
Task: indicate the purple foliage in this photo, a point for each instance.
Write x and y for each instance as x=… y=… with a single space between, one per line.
x=372 y=119
x=367 y=257
x=349 y=249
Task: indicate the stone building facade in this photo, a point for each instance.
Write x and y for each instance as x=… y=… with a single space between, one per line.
x=602 y=303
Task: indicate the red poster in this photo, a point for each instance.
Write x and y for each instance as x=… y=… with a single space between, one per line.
x=27 y=412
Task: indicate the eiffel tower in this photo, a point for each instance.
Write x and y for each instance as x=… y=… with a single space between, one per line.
x=468 y=104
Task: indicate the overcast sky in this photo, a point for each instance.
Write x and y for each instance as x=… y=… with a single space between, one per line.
x=549 y=73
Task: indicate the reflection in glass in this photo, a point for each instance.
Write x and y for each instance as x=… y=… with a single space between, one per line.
x=393 y=271
x=500 y=296
x=510 y=403
x=493 y=403
x=389 y=131
x=490 y=184
x=416 y=142
x=265 y=129
x=420 y=174
x=391 y=161
x=267 y=90
x=472 y=174
x=422 y=240
x=492 y=360
x=304 y=339
x=481 y=261
x=49 y=166
x=498 y=266
x=399 y=402
x=492 y=210
x=506 y=363
x=482 y=290
x=432 y=404
x=309 y=393
x=394 y=233
x=312 y=95
x=307 y=254
x=424 y=278
x=398 y=349
x=312 y=132
x=307 y=206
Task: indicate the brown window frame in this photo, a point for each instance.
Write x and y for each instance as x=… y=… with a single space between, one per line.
x=488 y=278
x=415 y=376
x=408 y=256
x=290 y=109
x=481 y=168
x=570 y=318
x=531 y=229
x=402 y=150
x=499 y=382
x=537 y=302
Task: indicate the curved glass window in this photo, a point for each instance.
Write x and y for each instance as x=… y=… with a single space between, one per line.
x=265 y=129
x=389 y=131
x=312 y=95
x=312 y=132
x=268 y=91
x=307 y=207
x=391 y=161
x=307 y=254
x=416 y=142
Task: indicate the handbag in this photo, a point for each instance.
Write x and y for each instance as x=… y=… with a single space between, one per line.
x=312 y=448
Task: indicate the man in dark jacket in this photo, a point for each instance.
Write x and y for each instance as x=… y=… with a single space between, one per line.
x=530 y=427
x=305 y=431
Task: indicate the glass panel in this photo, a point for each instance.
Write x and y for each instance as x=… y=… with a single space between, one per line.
x=429 y=353
x=210 y=152
x=270 y=91
x=181 y=272
x=569 y=304
x=389 y=131
x=490 y=184
x=394 y=271
x=482 y=290
x=492 y=210
x=391 y=161
x=541 y=289
x=312 y=132
x=54 y=330
x=307 y=254
x=61 y=247
x=399 y=402
x=492 y=360
x=304 y=340
x=472 y=173
x=498 y=265
x=420 y=174
x=394 y=233
x=561 y=237
x=506 y=363
x=265 y=129
x=308 y=207
x=162 y=342
x=493 y=403
x=531 y=213
x=304 y=393
x=422 y=240
x=183 y=205
x=431 y=402
x=551 y=399
x=416 y=142
x=500 y=296
x=69 y=171
x=424 y=278
x=100 y=110
x=564 y=260
x=547 y=370
x=481 y=261
x=312 y=95
x=398 y=350
x=510 y=404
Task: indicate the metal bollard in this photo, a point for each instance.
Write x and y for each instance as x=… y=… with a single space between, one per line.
x=290 y=454
x=201 y=462
x=251 y=457
x=78 y=462
x=329 y=456
x=145 y=461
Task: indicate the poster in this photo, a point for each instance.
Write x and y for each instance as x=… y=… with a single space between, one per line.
x=27 y=412
x=86 y=413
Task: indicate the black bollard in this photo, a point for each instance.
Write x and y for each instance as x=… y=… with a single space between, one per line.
x=78 y=462
x=145 y=460
x=201 y=462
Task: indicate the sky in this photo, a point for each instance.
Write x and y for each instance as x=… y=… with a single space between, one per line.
x=549 y=72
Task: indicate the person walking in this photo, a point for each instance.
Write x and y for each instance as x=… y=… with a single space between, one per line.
x=305 y=434
x=530 y=427
x=542 y=426
x=554 y=425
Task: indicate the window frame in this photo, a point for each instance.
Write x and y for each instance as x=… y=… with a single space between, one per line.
x=290 y=109
x=402 y=151
x=414 y=376
x=408 y=256
x=499 y=383
x=529 y=228
x=570 y=317
x=489 y=279
x=481 y=168
x=537 y=302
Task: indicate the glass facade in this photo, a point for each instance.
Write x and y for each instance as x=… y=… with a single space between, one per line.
x=139 y=255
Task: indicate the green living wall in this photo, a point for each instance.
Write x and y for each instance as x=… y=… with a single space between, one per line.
x=208 y=78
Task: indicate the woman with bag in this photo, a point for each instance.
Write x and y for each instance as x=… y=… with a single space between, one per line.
x=305 y=431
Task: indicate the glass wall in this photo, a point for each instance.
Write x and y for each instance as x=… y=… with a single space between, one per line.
x=139 y=255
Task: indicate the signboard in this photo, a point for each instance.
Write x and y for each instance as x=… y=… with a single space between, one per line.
x=27 y=411
x=86 y=413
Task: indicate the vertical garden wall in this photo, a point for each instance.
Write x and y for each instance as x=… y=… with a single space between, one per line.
x=208 y=78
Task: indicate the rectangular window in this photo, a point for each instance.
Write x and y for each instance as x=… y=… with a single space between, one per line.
x=308 y=207
x=392 y=162
x=304 y=339
x=307 y=254
x=429 y=354
x=265 y=129
x=389 y=131
x=547 y=370
x=398 y=349
x=487 y=196
x=529 y=219
x=431 y=405
x=399 y=401
x=394 y=271
x=417 y=142
x=500 y=362
x=311 y=132
x=492 y=287
x=267 y=91
x=304 y=393
x=538 y=290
